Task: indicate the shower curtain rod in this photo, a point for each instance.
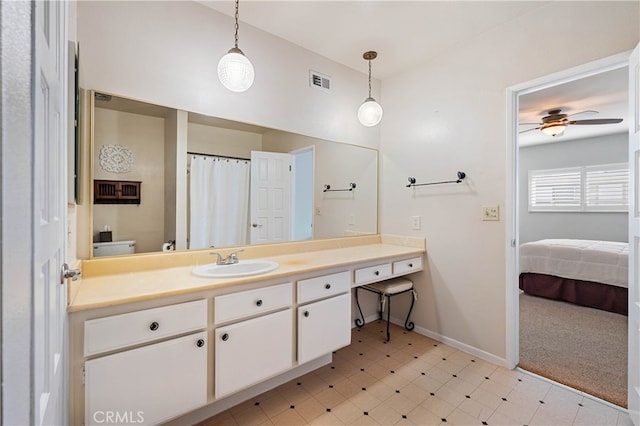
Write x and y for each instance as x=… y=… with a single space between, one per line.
x=219 y=156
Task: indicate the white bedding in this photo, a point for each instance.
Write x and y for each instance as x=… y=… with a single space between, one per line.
x=587 y=260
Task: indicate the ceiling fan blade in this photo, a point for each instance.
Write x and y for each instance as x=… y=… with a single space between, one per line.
x=529 y=124
x=586 y=113
x=528 y=130
x=596 y=121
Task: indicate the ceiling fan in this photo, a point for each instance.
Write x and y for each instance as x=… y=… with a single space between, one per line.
x=556 y=122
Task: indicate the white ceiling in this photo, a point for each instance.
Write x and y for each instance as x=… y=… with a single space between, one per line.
x=404 y=33
x=408 y=33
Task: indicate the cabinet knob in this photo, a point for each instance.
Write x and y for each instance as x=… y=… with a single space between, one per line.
x=411 y=265
x=259 y=302
x=225 y=337
x=154 y=326
x=200 y=343
x=327 y=286
x=376 y=273
x=306 y=314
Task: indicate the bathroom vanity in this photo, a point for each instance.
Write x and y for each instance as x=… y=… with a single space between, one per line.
x=151 y=342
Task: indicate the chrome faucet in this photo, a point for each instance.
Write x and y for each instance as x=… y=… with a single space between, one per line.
x=229 y=260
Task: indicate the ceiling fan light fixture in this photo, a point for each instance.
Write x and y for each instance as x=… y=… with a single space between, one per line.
x=235 y=70
x=554 y=130
x=370 y=112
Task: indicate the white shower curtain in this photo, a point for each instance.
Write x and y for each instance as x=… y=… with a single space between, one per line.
x=219 y=202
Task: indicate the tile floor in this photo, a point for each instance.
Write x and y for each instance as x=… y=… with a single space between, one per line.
x=415 y=380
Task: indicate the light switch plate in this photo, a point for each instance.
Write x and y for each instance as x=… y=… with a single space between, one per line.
x=490 y=213
x=415 y=222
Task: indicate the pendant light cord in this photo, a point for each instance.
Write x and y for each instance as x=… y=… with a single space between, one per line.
x=369 y=77
x=237 y=26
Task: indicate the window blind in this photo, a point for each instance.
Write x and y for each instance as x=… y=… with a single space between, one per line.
x=555 y=190
x=602 y=187
x=607 y=188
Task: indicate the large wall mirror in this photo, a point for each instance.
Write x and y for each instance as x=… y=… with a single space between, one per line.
x=208 y=182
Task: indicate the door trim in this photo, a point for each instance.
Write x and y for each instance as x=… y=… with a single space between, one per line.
x=512 y=311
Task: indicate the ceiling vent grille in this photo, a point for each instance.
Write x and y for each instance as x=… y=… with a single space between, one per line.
x=319 y=81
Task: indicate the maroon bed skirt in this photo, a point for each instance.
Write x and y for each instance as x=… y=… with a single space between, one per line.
x=584 y=293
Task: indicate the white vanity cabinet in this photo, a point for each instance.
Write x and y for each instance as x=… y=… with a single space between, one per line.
x=324 y=324
x=139 y=384
x=149 y=384
x=193 y=347
x=255 y=349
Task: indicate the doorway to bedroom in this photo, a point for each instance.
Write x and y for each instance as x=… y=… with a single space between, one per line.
x=571 y=227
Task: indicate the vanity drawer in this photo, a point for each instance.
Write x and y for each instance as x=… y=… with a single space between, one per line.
x=373 y=273
x=326 y=285
x=252 y=302
x=407 y=266
x=119 y=331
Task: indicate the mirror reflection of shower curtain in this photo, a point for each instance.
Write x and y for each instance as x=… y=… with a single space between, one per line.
x=219 y=202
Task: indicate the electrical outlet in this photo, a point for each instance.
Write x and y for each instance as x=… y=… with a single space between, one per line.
x=490 y=212
x=352 y=220
x=317 y=211
x=415 y=222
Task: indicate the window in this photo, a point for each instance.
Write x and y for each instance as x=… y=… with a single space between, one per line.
x=588 y=189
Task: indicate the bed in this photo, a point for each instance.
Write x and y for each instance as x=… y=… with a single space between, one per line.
x=584 y=272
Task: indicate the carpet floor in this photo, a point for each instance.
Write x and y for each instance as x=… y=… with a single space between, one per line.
x=580 y=347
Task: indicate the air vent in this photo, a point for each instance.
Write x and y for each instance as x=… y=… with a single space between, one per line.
x=319 y=81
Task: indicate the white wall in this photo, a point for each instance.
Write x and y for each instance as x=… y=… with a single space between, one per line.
x=450 y=114
x=166 y=52
x=608 y=226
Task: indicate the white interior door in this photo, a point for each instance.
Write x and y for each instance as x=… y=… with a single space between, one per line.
x=633 y=391
x=49 y=214
x=270 y=210
x=302 y=194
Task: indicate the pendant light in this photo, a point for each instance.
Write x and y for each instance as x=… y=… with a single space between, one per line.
x=235 y=71
x=370 y=112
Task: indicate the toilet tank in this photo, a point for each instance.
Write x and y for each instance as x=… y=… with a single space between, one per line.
x=114 y=248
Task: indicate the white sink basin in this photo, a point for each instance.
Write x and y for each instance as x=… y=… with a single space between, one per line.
x=241 y=269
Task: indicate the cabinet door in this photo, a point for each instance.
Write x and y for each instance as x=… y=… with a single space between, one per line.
x=323 y=327
x=149 y=384
x=253 y=350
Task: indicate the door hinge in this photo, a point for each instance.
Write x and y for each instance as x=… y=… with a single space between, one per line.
x=513 y=243
x=289 y=167
x=83 y=375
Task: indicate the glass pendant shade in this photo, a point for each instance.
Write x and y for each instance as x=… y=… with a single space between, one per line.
x=370 y=112
x=235 y=71
x=554 y=130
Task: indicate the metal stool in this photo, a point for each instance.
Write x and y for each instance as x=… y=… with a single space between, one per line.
x=386 y=289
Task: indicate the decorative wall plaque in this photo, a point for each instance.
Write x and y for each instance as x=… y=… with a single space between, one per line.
x=116 y=159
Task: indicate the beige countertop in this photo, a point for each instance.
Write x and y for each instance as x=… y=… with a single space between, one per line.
x=127 y=285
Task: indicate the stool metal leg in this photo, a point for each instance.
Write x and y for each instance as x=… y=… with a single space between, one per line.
x=409 y=325
x=388 y=315
x=359 y=322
